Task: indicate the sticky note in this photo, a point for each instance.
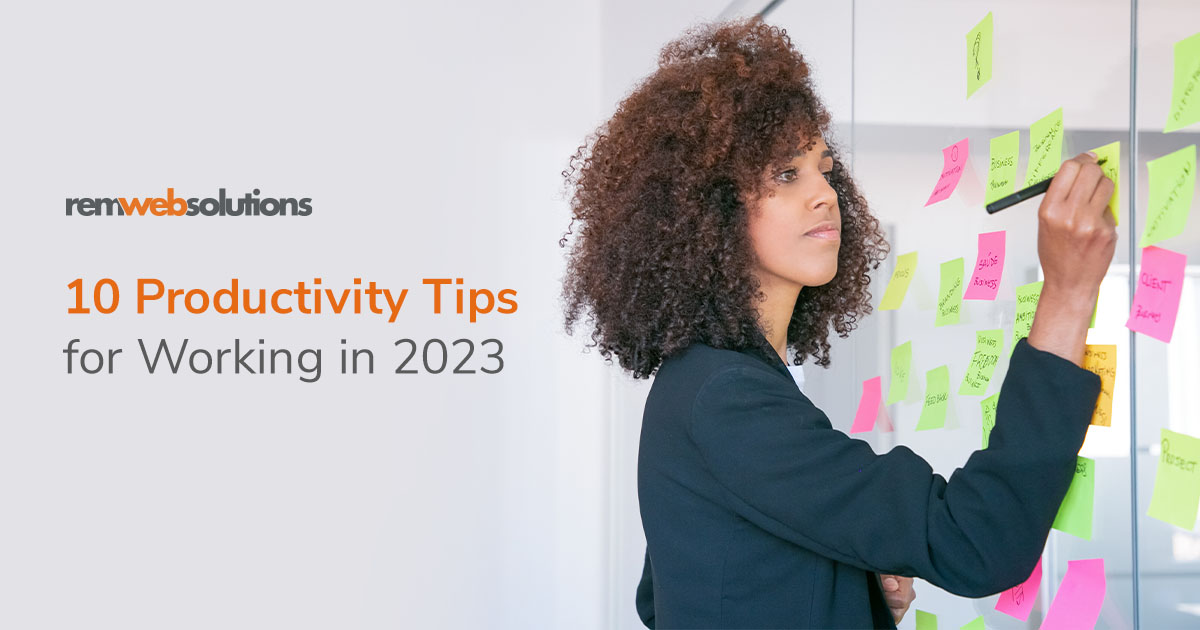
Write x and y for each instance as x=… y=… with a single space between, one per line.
x=1027 y=301
x=989 y=416
x=926 y=621
x=954 y=158
x=1102 y=360
x=901 y=361
x=1045 y=148
x=902 y=275
x=988 y=344
x=979 y=54
x=975 y=624
x=1156 y=301
x=1075 y=513
x=989 y=267
x=1177 y=482
x=1172 y=184
x=1018 y=601
x=1077 y=604
x=950 y=290
x=1185 y=89
x=1111 y=154
x=1002 y=166
x=868 y=406
x=884 y=421
x=937 y=399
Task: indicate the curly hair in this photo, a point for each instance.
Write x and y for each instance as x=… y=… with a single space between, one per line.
x=663 y=257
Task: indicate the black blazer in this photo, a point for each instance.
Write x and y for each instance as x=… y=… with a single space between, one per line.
x=759 y=514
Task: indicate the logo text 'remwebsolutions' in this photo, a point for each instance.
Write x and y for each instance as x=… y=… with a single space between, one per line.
x=248 y=205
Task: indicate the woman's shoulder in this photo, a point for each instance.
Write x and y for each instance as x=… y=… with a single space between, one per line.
x=699 y=364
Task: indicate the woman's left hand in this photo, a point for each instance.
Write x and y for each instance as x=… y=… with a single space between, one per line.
x=898 y=591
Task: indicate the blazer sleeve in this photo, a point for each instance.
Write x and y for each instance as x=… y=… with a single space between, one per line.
x=784 y=467
x=645 y=594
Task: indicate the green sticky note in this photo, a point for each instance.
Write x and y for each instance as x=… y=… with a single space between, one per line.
x=893 y=295
x=1002 y=166
x=1075 y=513
x=950 y=292
x=1177 y=482
x=1111 y=154
x=937 y=399
x=1045 y=148
x=927 y=621
x=1185 y=89
x=901 y=361
x=1027 y=301
x=979 y=54
x=975 y=624
x=989 y=416
x=1172 y=184
x=988 y=344
x=1095 y=309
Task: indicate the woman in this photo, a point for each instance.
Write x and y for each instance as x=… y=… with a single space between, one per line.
x=718 y=230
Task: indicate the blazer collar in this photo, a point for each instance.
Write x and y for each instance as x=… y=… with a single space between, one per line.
x=765 y=352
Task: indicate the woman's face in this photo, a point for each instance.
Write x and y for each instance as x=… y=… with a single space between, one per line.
x=796 y=233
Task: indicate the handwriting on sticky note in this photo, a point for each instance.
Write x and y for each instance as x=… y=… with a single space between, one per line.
x=988 y=344
x=868 y=406
x=1018 y=601
x=989 y=416
x=950 y=291
x=1102 y=360
x=901 y=361
x=1156 y=301
x=937 y=399
x=1002 y=165
x=1077 y=604
x=1027 y=301
x=954 y=158
x=1185 y=89
x=989 y=267
x=1075 y=513
x=1177 y=482
x=926 y=620
x=902 y=275
x=1111 y=154
x=1172 y=185
x=1045 y=148
x=979 y=54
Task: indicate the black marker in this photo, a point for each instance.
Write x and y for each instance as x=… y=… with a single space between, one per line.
x=1023 y=194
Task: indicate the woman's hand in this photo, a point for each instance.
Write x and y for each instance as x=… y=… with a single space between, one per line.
x=898 y=591
x=1076 y=239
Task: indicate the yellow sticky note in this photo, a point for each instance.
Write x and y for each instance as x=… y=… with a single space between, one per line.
x=1045 y=148
x=893 y=295
x=926 y=621
x=979 y=54
x=989 y=416
x=1172 y=185
x=1075 y=513
x=1027 y=301
x=1002 y=166
x=901 y=362
x=950 y=292
x=1177 y=482
x=1102 y=360
x=1111 y=154
x=937 y=399
x=975 y=624
x=1185 y=89
x=988 y=345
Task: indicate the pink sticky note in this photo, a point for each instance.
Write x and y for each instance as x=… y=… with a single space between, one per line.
x=1077 y=604
x=989 y=266
x=868 y=406
x=1018 y=601
x=884 y=421
x=1156 y=301
x=954 y=158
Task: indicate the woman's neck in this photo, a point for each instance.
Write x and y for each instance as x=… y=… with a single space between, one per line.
x=776 y=313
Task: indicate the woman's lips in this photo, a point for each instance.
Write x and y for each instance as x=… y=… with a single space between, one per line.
x=830 y=234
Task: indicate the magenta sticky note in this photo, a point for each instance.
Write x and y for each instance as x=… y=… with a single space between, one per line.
x=885 y=421
x=1018 y=601
x=1159 y=287
x=868 y=406
x=954 y=159
x=1077 y=604
x=989 y=266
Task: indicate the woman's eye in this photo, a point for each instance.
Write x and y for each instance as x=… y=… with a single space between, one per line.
x=787 y=176
x=828 y=174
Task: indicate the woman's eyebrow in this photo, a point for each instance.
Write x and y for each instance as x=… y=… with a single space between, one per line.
x=827 y=153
